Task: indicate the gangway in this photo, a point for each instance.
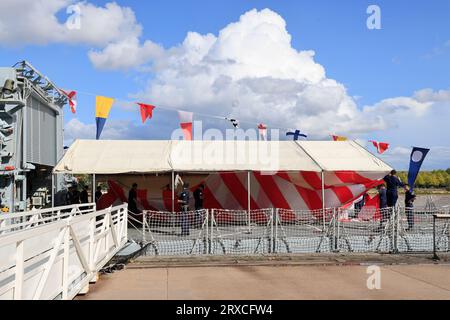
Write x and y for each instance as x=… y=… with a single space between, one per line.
x=27 y=219
x=55 y=253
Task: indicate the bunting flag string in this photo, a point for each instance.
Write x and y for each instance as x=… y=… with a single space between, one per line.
x=296 y=134
x=262 y=129
x=104 y=104
x=234 y=122
x=102 y=107
x=71 y=95
x=339 y=138
x=186 y=123
x=381 y=146
x=146 y=111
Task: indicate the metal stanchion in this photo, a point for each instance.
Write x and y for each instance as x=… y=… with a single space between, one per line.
x=248 y=201
x=435 y=257
x=53 y=190
x=394 y=234
x=334 y=230
x=272 y=243
x=323 y=198
x=275 y=231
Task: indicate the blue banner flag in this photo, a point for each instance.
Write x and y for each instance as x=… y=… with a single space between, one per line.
x=416 y=159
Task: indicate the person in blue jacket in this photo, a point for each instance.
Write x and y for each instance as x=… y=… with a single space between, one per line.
x=385 y=213
x=183 y=199
x=409 y=206
x=392 y=184
x=383 y=196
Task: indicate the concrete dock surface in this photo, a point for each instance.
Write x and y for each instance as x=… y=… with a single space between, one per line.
x=295 y=277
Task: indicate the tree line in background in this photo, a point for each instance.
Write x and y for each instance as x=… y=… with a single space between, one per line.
x=430 y=179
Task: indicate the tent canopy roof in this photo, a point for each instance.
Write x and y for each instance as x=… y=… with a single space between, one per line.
x=153 y=156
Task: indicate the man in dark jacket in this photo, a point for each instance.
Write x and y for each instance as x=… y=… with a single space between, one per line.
x=69 y=193
x=385 y=212
x=409 y=206
x=98 y=193
x=132 y=201
x=383 y=196
x=74 y=194
x=392 y=184
x=198 y=197
x=84 y=197
x=183 y=199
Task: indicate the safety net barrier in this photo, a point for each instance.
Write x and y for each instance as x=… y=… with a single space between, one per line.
x=282 y=231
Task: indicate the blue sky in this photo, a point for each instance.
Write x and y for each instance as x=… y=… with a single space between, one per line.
x=399 y=73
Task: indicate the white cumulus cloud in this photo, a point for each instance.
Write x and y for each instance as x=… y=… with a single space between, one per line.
x=124 y=54
x=251 y=71
x=25 y=22
x=111 y=31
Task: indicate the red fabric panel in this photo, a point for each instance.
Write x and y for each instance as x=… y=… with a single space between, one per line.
x=311 y=197
x=117 y=190
x=368 y=186
x=209 y=201
x=343 y=193
x=238 y=190
x=142 y=196
x=167 y=201
x=106 y=200
x=352 y=177
x=313 y=179
x=268 y=184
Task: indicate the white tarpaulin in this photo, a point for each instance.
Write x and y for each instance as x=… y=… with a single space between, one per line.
x=153 y=156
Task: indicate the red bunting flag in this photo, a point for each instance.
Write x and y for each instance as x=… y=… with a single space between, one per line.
x=71 y=95
x=381 y=146
x=146 y=111
x=186 y=124
x=262 y=128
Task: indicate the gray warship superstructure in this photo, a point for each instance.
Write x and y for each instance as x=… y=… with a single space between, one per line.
x=31 y=136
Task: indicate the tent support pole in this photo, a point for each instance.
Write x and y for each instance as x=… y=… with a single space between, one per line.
x=173 y=191
x=248 y=199
x=53 y=190
x=94 y=188
x=323 y=197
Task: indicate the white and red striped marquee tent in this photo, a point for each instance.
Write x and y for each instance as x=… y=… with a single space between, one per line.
x=237 y=174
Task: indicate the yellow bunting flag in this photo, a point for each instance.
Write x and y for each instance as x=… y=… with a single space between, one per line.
x=102 y=107
x=339 y=138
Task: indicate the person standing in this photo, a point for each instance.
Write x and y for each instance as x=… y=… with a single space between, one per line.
x=385 y=212
x=382 y=196
x=183 y=199
x=198 y=197
x=68 y=196
x=359 y=204
x=75 y=195
x=98 y=193
x=84 y=197
x=392 y=184
x=409 y=206
x=132 y=201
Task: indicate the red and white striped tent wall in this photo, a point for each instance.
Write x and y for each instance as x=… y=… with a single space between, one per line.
x=237 y=174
